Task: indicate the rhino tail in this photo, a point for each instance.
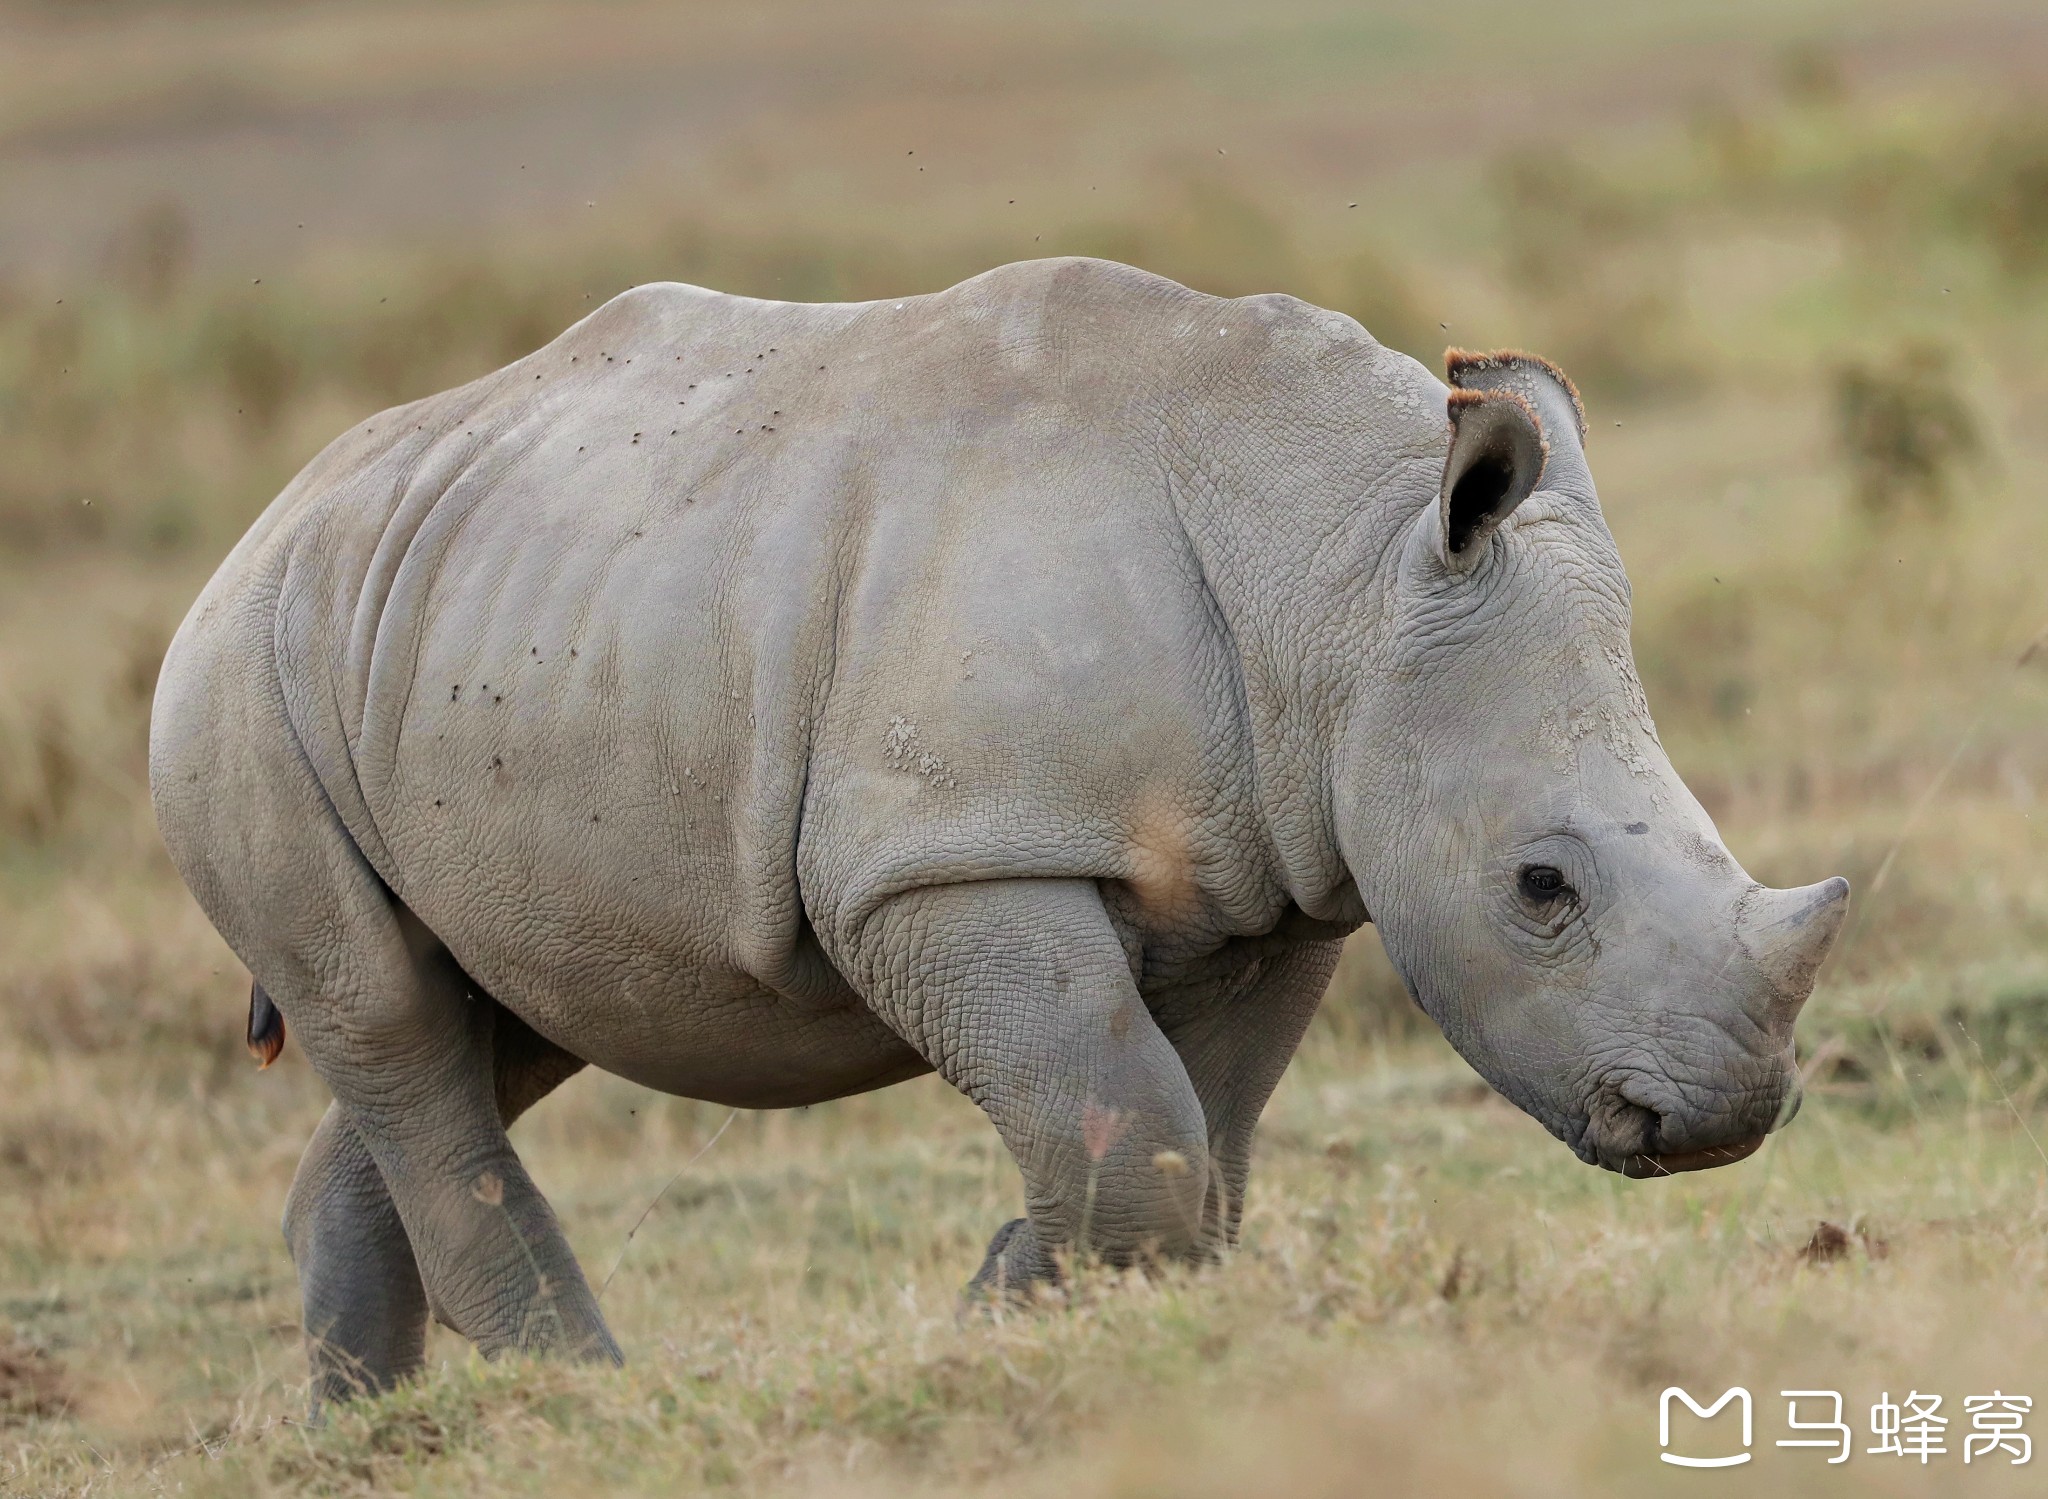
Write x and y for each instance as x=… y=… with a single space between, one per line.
x=266 y=1027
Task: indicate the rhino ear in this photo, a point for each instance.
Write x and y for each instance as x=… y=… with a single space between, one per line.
x=1496 y=458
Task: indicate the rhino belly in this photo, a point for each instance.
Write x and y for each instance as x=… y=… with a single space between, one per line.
x=655 y=993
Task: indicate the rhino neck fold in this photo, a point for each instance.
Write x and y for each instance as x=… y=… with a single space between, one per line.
x=1295 y=558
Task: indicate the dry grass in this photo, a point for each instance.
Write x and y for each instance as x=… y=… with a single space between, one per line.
x=1432 y=1296
x=1428 y=1287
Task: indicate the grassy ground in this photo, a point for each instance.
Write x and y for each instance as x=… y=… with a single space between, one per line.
x=1726 y=229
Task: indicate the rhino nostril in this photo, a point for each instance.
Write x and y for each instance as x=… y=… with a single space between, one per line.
x=1653 y=1129
x=1622 y=1125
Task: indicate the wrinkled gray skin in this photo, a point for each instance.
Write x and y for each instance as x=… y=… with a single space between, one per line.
x=1032 y=682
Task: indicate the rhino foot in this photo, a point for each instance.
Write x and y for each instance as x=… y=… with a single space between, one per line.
x=1015 y=1267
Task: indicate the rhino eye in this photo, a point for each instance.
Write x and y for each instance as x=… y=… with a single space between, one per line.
x=1543 y=884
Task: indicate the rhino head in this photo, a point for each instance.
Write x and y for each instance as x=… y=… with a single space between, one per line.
x=1554 y=897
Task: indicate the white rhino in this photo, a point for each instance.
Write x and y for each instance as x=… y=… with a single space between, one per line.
x=1031 y=682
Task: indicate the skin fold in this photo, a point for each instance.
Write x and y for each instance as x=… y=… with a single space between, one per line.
x=1032 y=682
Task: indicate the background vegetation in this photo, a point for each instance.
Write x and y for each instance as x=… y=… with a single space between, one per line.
x=1797 y=256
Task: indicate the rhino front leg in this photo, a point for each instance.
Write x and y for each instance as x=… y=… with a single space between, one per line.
x=364 y=1305
x=1236 y=1029
x=1020 y=995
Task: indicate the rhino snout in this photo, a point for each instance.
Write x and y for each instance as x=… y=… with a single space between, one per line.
x=1642 y=1126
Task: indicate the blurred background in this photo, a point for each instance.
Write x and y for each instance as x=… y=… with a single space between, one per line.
x=1795 y=254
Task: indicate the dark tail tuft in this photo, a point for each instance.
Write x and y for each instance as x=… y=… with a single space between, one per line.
x=266 y=1027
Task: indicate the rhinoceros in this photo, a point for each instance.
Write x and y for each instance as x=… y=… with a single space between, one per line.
x=1033 y=682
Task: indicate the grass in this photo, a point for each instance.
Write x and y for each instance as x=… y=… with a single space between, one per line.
x=1418 y=1261
x=1432 y=1295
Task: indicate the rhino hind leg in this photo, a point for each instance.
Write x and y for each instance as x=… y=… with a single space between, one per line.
x=415 y=1077
x=364 y=1304
x=389 y=1020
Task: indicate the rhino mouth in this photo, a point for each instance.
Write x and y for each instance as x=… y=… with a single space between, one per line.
x=1670 y=1163
x=1622 y=1136
x=1625 y=1131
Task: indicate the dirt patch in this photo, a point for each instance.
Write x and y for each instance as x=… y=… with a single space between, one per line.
x=1831 y=1242
x=32 y=1385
